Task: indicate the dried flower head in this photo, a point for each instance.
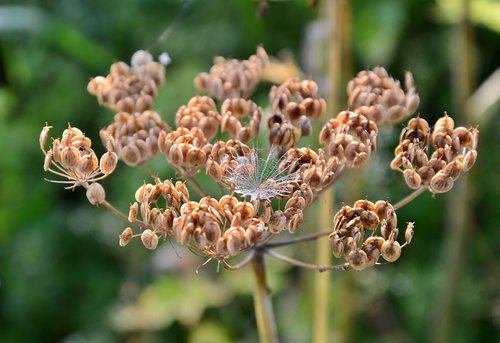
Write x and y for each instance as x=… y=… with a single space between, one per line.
x=454 y=153
x=355 y=236
x=379 y=97
x=72 y=157
x=129 y=88
x=229 y=78
x=134 y=137
x=260 y=178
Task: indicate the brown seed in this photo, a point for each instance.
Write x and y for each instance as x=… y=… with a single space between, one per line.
x=108 y=162
x=132 y=213
x=131 y=155
x=369 y=220
x=88 y=163
x=70 y=156
x=412 y=178
x=277 y=222
x=149 y=239
x=126 y=236
x=95 y=193
x=357 y=259
x=469 y=160
x=391 y=250
x=337 y=246
x=441 y=183
x=409 y=232
x=47 y=160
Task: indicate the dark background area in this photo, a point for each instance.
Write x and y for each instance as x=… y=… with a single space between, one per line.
x=63 y=277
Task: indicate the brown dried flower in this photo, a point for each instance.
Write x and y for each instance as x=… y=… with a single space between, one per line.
x=379 y=97
x=129 y=88
x=73 y=158
x=352 y=224
x=200 y=112
x=229 y=78
x=134 y=137
x=454 y=153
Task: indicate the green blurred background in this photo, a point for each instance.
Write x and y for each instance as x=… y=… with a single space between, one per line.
x=63 y=277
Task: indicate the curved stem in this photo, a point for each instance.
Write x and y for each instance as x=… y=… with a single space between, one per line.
x=248 y=258
x=305 y=238
x=409 y=198
x=264 y=313
x=302 y=264
x=121 y=215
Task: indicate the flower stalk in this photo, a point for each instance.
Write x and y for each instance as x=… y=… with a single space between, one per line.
x=264 y=313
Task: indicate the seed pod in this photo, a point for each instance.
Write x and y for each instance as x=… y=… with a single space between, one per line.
x=391 y=250
x=441 y=183
x=126 y=236
x=70 y=157
x=132 y=213
x=409 y=232
x=357 y=259
x=212 y=232
x=337 y=246
x=44 y=136
x=381 y=209
x=47 y=160
x=369 y=220
x=277 y=221
x=295 y=222
x=233 y=243
x=469 y=160
x=195 y=157
x=95 y=193
x=108 y=162
x=412 y=178
x=131 y=155
x=149 y=239
x=453 y=169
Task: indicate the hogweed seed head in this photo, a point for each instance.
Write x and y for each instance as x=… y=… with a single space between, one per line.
x=260 y=178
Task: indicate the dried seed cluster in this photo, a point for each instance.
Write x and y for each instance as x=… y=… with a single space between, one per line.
x=454 y=153
x=185 y=149
x=72 y=157
x=134 y=137
x=200 y=112
x=157 y=219
x=129 y=88
x=234 y=111
x=351 y=138
x=379 y=97
x=352 y=224
x=314 y=169
x=218 y=228
x=230 y=78
x=222 y=228
x=293 y=103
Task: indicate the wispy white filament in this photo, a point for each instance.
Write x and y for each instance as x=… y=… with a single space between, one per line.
x=260 y=178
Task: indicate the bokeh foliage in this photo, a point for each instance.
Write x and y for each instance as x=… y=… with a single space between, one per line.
x=63 y=276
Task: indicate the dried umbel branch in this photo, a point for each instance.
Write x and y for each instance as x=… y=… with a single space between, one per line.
x=129 y=88
x=355 y=236
x=379 y=97
x=72 y=158
x=454 y=153
x=134 y=137
x=232 y=78
x=199 y=112
x=293 y=103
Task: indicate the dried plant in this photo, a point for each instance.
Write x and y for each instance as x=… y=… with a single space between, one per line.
x=244 y=219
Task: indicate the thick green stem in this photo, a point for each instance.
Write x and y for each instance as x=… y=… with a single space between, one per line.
x=264 y=313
